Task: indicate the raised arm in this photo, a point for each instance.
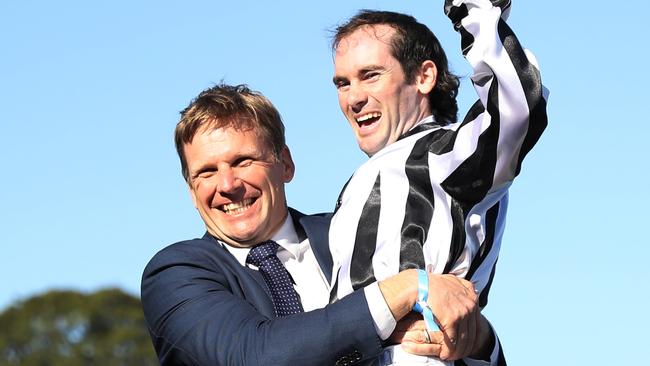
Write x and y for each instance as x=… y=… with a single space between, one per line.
x=492 y=140
x=510 y=115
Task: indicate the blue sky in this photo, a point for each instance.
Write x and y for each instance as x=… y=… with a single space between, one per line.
x=91 y=188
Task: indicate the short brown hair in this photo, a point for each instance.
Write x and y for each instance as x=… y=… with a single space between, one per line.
x=229 y=106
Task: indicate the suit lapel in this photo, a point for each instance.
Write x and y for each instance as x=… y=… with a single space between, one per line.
x=263 y=303
x=250 y=283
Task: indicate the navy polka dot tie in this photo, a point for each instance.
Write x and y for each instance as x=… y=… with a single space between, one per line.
x=277 y=278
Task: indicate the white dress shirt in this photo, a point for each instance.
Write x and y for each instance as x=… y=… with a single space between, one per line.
x=309 y=280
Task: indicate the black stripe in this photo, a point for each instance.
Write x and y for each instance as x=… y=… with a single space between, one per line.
x=333 y=293
x=473 y=178
x=532 y=85
x=338 y=200
x=455 y=13
x=490 y=225
x=443 y=144
x=419 y=205
x=442 y=141
x=466 y=41
x=361 y=271
x=501 y=360
x=476 y=110
x=458 y=212
x=483 y=296
x=419 y=128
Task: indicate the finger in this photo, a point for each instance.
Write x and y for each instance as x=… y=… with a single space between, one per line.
x=417 y=336
x=471 y=337
x=468 y=287
x=473 y=333
x=422 y=349
x=409 y=322
x=461 y=337
x=449 y=334
x=474 y=325
x=416 y=325
x=467 y=284
x=455 y=333
x=466 y=333
x=471 y=293
x=414 y=336
x=436 y=337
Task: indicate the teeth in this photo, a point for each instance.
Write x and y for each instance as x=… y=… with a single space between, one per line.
x=368 y=116
x=237 y=207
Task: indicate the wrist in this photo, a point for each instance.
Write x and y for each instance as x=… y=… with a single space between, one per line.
x=400 y=292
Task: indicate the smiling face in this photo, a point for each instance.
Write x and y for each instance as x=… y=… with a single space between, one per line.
x=237 y=184
x=372 y=89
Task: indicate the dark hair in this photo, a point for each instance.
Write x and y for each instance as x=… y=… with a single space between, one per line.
x=228 y=106
x=412 y=44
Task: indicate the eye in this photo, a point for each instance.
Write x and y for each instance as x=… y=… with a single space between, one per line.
x=341 y=83
x=205 y=173
x=245 y=163
x=371 y=75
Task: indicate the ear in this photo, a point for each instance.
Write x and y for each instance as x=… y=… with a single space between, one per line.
x=426 y=77
x=288 y=168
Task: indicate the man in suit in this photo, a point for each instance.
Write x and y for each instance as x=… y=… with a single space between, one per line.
x=208 y=302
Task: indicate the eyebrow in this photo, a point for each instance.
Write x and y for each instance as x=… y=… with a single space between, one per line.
x=337 y=79
x=200 y=169
x=371 y=68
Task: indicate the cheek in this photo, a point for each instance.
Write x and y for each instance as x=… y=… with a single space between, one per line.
x=342 y=103
x=274 y=187
x=204 y=193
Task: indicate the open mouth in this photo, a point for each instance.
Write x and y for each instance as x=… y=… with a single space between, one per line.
x=237 y=207
x=368 y=119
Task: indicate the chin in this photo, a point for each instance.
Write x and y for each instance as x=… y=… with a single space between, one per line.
x=370 y=151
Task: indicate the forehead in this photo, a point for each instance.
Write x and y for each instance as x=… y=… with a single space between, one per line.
x=223 y=144
x=369 y=40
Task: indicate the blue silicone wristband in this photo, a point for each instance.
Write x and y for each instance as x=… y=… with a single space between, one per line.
x=421 y=305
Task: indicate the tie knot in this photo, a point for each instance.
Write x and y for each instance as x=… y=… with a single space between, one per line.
x=261 y=252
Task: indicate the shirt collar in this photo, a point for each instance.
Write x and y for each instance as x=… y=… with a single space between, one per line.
x=426 y=119
x=286 y=237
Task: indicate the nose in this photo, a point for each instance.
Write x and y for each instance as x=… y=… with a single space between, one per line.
x=356 y=98
x=227 y=181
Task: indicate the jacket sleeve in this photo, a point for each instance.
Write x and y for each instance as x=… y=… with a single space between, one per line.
x=197 y=315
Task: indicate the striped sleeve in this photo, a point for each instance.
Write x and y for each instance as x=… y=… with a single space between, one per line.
x=508 y=119
x=510 y=115
x=481 y=156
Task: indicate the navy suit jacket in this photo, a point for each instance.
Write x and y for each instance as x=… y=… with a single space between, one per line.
x=203 y=307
